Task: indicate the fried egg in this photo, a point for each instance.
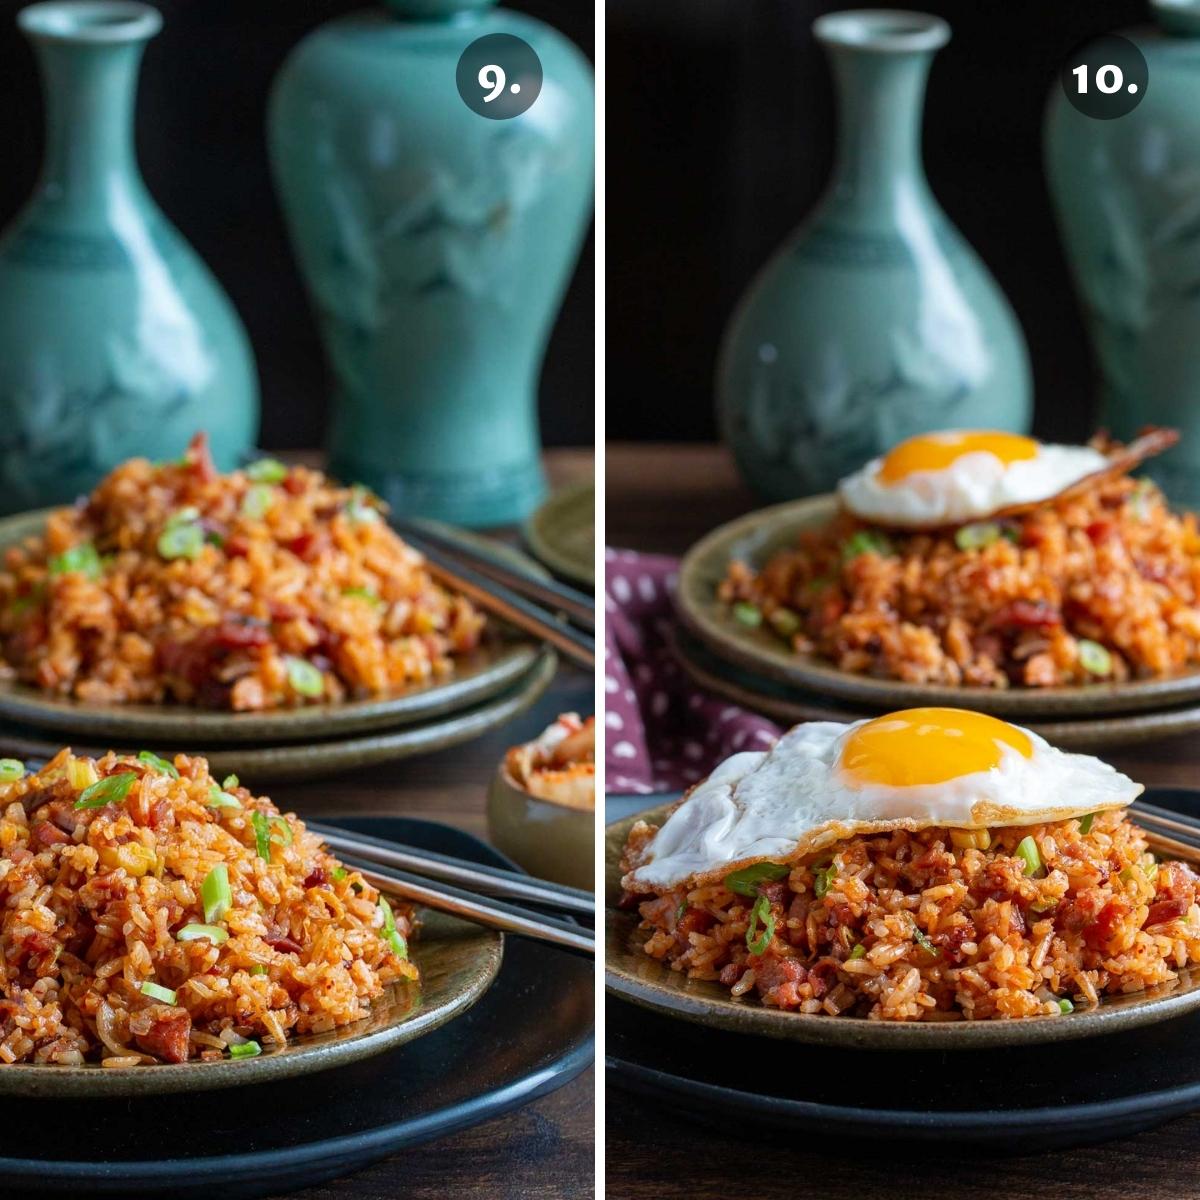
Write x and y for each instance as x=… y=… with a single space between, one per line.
x=963 y=475
x=825 y=781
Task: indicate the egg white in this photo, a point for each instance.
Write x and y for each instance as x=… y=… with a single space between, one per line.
x=970 y=488
x=791 y=801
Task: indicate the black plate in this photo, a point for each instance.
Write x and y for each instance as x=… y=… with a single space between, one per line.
x=1024 y=1097
x=531 y=1033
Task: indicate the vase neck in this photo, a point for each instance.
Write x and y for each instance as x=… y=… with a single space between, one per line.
x=880 y=74
x=89 y=55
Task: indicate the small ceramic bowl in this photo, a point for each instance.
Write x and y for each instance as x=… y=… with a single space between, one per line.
x=551 y=841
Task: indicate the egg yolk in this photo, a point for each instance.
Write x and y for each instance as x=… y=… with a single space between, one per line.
x=936 y=451
x=928 y=745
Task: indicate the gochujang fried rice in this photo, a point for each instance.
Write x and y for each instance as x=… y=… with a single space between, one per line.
x=931 y=864
x=265 y=588
x=151 y=913
x=989 y=560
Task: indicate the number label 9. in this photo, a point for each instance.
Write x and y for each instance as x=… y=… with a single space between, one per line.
x=492 y=76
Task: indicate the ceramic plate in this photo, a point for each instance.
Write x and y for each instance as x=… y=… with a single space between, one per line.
x=790 y=707
x=632 y=975
x=314 y=759
x=502 y=659
x=562 y=533
x=458 y=963
x=1029 y=1098
x=753 y=538
x=269 y=1138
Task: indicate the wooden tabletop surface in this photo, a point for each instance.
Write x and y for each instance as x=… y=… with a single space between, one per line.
x=660 y=499
x=547 y=1149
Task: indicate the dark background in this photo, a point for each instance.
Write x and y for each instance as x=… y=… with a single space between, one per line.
x=720 y=129
x=202 y=145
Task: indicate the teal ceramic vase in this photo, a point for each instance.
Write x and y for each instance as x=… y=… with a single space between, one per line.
x=1127 y=196
x=875 y=320
x=115 y=340
x=436 y=245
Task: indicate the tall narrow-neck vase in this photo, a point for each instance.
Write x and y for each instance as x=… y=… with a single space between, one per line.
x=875 y=320
x=115 y=340
x=436 y=244
x=1127 y=196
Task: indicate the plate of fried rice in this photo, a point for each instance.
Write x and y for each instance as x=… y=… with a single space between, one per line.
x=1086 y=602
x=164 y=931
x=792 y=899
x=178 y=603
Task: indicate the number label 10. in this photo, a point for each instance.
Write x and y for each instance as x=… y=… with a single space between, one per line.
x=1109 y=79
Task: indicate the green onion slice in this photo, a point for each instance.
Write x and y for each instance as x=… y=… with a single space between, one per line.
x=1028 y=853
x=1085 y=824
x=363 y=593
x=182 y=536
x=245 y=1050
x=258 y=501
x=220 y=799
x=396 y=940
x=745 y=882
x=745 y=613
x=112 y=789
x=679 y=912
x=977 y=536
x=866 y=541
x=303 y=676
x=859 y=951
x=1094 y=658
x=155 y=992
x=920 y=938
x=11 y=769
x=360 y=508
x=194 y=933
x=216 y=894
x=760 y=912
x=285 y=831
x=267 y=470
x=262 y=834
x=340 y=873
x=78 y=560
x=823 y=881
x=158 y=764
x=1065 y=1006
x=230 y=781
x=258 y=969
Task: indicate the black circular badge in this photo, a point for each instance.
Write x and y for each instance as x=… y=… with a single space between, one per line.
x=1106 y=78
x=499 y=76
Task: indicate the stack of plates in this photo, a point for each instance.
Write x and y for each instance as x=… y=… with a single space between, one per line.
x=500 y=680
x=753 y=667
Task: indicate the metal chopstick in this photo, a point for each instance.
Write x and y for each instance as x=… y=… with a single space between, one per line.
x=1166 y=818
x=580 y=648
x=577 y=605
x=491 y=881
x=493 y=913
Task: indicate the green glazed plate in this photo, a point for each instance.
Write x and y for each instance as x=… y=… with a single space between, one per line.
x=562 y=533
x=313 y=760
x=791 y=706
x=632 y=975
x=755 y=537
x=499 y=662
x=458 y=963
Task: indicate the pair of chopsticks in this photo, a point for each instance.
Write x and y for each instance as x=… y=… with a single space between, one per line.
x=468 y=890
x=1167 y=830
x=547 y=609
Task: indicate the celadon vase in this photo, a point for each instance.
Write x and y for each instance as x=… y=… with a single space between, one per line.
x=436 y=244
x=875 y=320
x=1127 y=195
x=115 y=340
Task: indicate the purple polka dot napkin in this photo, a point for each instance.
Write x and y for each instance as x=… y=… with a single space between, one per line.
x=662 y=733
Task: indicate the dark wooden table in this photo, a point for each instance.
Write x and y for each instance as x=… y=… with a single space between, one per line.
x=547 y=1149
x=661 y=498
